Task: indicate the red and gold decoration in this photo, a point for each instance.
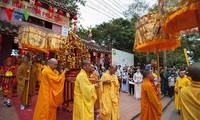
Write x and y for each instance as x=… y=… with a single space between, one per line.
x=5 y=1
x=182 y=15
x=51 y=10
x=38 y=5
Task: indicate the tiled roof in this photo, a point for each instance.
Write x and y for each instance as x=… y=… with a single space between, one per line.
x=95 y=47
x=71 y=10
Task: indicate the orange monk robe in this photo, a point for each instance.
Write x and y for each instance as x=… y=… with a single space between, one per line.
x=94 y=76
x=50 y=95
x=151 y=106
x=84 y=98
x=39 y=69
x=190 y=102
x=109 y=97
x=180 y=83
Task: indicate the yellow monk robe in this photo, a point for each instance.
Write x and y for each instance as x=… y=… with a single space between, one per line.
x=151 y=107
x=94 y=76
x=84 y=98
x=109 y=97
x=50 y=95
x=190 y=102
x=180 y=83
x=22 y=74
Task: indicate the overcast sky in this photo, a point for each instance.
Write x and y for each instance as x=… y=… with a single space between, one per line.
x=99 y=11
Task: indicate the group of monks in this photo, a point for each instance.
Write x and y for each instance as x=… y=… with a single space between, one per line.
x=85 y=94
x=50 y=96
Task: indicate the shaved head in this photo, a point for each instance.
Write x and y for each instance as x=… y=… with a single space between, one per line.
x=112 y=69
x=52 y=63
x=85 y=62
x=86 y=66
x=52 y=60
x=194 y=71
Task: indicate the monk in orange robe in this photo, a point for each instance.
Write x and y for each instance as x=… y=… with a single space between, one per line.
x=50 y=93
x=190 y=95
x=151 y=106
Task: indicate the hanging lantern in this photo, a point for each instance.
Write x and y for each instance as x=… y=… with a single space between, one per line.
x=75 y=18
x=5 y=1
x=60 y=13
x=19 y=4
x=22 y=52
x=38 y=5
x=74 y=29
x=47 y=55
x=51 y=10
x=74 y=23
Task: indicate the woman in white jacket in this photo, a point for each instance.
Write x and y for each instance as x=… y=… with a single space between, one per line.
x=138 y=81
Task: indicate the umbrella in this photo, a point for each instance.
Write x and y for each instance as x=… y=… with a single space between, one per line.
x=181 y=15
x=151 y=38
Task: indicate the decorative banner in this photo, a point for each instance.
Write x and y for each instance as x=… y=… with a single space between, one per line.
x=18 y=14
x=9 y=14
x=26 y=14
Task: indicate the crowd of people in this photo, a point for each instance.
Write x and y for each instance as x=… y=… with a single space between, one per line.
x=92 y=83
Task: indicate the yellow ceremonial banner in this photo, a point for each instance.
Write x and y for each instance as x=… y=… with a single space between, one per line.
x=151 y=38
x=186 y=57
x=56 y=42
x=32 y=38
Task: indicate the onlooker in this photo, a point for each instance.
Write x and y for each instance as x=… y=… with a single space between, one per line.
x=131 y=82
x=138 y=80
x=125 y=82
x=171 y=81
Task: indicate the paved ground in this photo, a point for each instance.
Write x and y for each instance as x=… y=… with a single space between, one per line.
x=7 y=113
x=129 y=107
x=171 y=113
